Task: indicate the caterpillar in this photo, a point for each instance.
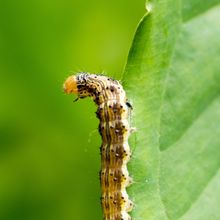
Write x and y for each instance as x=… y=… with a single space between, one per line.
x=113 y=112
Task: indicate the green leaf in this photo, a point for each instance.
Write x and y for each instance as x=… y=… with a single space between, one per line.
x=193 y=8
x=172 y=77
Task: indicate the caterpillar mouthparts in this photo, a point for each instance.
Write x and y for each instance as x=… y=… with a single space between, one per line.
x=113 y=112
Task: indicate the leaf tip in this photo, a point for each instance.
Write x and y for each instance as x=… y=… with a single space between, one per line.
x=148 y=7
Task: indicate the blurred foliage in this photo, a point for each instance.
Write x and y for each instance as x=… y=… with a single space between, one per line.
x=49 y=146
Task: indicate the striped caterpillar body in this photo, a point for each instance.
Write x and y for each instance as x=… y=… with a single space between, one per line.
x=113 y=112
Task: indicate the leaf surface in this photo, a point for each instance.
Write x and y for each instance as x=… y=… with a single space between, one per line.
x=172 y=77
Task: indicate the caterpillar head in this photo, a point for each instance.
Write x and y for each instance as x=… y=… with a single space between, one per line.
x=70 y=85
x=76 y=84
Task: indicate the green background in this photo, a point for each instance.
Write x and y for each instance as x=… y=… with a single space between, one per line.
x=49 y=146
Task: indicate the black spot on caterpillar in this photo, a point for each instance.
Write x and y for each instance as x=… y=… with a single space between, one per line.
x=113 y=112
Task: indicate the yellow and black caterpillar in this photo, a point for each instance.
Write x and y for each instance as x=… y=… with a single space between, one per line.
x=113 y=112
